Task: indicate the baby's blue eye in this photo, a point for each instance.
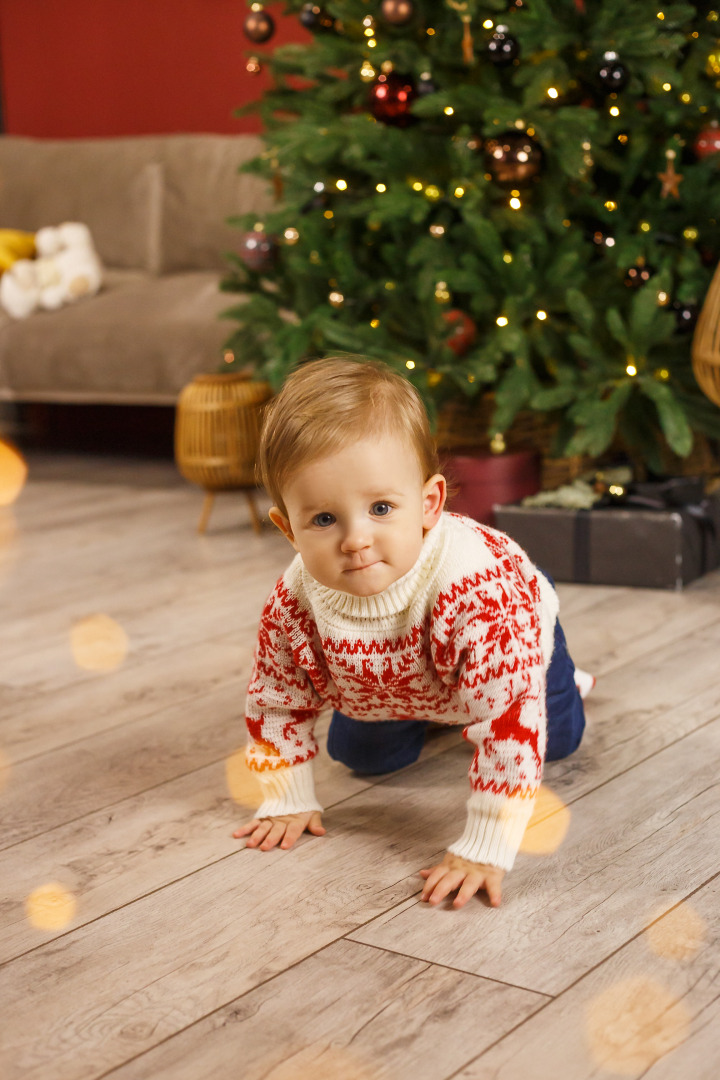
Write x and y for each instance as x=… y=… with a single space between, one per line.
x=381 y=509
x=323 y=520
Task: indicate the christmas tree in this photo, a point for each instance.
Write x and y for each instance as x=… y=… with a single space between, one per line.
x=520 y=200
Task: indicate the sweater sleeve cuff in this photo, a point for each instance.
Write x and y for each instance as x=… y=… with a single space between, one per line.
x=495 y=826
x=287 y=791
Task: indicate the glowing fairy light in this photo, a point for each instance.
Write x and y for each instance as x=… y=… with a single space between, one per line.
x=631 y=370
x=381 y=188
x=501 y=320
x=341 y=185
x=410 y=364
x=541 y=315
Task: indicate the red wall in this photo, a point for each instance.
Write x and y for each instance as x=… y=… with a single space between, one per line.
x=129 y=67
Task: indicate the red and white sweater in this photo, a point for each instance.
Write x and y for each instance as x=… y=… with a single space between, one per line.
x=465 y=637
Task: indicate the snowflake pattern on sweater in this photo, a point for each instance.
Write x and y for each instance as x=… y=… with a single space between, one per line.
x=464 y=637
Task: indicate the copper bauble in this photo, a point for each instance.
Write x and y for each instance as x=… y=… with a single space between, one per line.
x=259 y=26
x=463 y=330
x=513 y=158
x=398 y=12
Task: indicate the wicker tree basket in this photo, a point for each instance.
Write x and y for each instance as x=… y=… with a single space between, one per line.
x=217 y=428
x=706 y=343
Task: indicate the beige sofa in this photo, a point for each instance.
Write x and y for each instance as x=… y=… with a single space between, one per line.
x=157 y=209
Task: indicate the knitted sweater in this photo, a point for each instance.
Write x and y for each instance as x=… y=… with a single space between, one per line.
x=465 y=637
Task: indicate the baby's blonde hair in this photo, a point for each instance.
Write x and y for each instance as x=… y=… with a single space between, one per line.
x=326 y=405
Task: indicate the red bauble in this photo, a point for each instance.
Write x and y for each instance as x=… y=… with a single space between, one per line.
x=258 y=251
x=708 y=141
x=462 y=333
x=391 y=97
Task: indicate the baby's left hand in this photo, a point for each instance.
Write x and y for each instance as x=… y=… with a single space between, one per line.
x=456 y=873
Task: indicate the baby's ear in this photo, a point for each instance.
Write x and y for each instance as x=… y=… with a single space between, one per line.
x=434 y=495
x=278 y=518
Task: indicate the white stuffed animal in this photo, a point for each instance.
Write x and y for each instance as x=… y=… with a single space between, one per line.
x=67 y=269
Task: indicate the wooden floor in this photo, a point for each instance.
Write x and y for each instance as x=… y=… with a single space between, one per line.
x=139 y=940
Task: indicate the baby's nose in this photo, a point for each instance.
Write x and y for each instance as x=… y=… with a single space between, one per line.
x=356 y=537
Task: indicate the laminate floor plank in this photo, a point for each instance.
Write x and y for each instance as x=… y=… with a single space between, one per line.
x=565 y=912
x=651 y=1010
x=362 y=1009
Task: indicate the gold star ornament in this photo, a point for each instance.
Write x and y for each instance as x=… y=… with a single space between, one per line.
x=670 y=179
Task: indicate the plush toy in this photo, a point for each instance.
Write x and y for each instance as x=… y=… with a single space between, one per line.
x=67 y=268
x=15 y=244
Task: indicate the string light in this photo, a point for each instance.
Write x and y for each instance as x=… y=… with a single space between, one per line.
x=515 y=203
x=291 y=236
x=367 y=71
x=319 y=186
x=374 y=323
x=336 y=299
x=690 y=233
x=371 y=43
x=488 y=24
x=432 y=192
x=501 y=320
x=541 y=315
x=622 y=139
x=552 y=92
x=410 y=364
x=380 y=188
x=328 y=214
x=661 y=15
x=610 y=205
x=448 y=110
x=614 y=111
x=417 y=186
x=389 y=285
x=686 y=98
x=645 y=226
x=459 y=192
x=341 y=185
x=667 y=86
x=507 y=257
x=662 y=373
x=631 y=369
x=437 y=230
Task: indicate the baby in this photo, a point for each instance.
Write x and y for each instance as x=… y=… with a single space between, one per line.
x=394 y=613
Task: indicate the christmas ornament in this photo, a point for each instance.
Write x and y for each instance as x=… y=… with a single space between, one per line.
x=314 y=17
x=638 y=275
x=463 y=331
x=708 y=141
x=468 y=46
x=391 y=97
x=257 y=251
x=425 y=84
x=670 y=179
x=502 y=49
x=259 y=26
x=612 y=74
x=398 y=12
x=686 y=315
x=513 y=158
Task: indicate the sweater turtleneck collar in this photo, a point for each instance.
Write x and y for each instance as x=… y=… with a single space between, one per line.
x=391 y=601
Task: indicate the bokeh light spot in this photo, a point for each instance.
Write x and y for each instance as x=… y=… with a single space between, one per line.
x=243 y=785
x=548 y=825
x=678 y=935
x=50 y=907
x=633 y=1023
x=13 y=473
x=98 y=643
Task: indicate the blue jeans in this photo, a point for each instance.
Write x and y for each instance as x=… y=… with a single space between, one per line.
x=382 y=746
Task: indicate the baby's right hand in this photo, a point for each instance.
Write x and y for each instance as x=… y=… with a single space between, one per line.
x=267 y=833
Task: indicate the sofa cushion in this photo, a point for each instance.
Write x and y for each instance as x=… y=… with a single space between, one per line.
x=113 y=185
x=202 y=188
x=141 y=339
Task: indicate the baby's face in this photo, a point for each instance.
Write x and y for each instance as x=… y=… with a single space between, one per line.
x=358 y=517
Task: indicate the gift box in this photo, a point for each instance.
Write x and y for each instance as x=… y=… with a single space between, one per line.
x=659 y=535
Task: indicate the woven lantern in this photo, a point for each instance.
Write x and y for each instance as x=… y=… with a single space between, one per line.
x=706 y=343
x=217 y=428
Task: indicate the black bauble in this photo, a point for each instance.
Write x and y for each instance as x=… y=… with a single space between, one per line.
x=314 y=17
x=502 y=49
x=638 y=275
x=425 y=85
x=259 y=26
x=686 y=315
x=513 y=158
x=612 y=74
